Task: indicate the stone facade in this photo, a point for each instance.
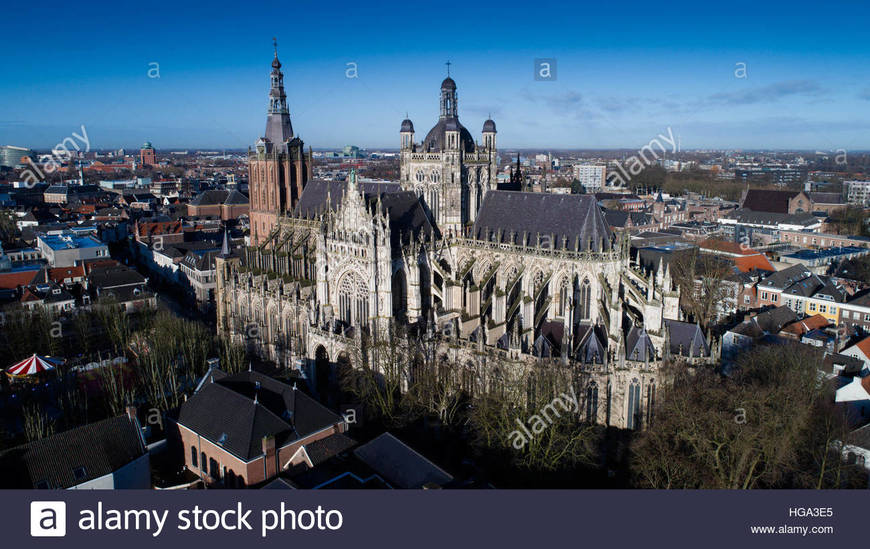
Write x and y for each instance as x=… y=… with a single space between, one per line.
x=494 y=280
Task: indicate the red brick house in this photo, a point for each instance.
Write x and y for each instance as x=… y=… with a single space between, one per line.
x=243 y=429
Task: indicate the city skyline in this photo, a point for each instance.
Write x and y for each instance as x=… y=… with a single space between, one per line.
x=618 y=82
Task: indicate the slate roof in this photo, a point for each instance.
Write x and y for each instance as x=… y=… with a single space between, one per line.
x=406 y=215
x=200 y=262
x=218 y=197
x=325 y=448
x=591 y=345
x=242 y=409
x=312 y=202
x=686 y=339
x=773 y=218
x=826 y=198
x=399 y=464
x=772 y=320
x=111 y=277
x=574 y=217
x=638 y=346
x=437 y=136
x=762 y=200
x=786 y=277
x=100 y=448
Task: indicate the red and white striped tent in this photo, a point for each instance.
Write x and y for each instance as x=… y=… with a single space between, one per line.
x=31 y=365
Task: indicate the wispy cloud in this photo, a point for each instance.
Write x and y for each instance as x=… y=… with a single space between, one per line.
x=768 y=94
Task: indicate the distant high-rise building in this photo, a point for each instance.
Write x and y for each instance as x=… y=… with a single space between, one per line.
x=590 y=176
x=147 y=155
x=11 y=156
x=857 y=192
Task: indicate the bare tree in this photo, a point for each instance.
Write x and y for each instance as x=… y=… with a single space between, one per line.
x=37 y=423
x=754 y=429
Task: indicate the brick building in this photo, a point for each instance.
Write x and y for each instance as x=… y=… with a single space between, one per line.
x=243 y=429
x=279 y=168
x=219 y=204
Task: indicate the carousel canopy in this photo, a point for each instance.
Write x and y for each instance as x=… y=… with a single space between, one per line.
x=31 y=365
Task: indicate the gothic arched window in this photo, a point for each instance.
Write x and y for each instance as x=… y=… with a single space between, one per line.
x=563 y=297
x=592 y=402
x=434 y=176
x=420 y=176
x=353 y=301
x=633 y=405
x=585 y=300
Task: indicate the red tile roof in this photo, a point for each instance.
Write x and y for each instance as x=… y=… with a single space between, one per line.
x=808 y=324
x=159 y=227
x=748 y=262
x=864 y=345
x=59 y=274
x=10 y=281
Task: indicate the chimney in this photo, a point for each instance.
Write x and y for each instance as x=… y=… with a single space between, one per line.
x=269 y=462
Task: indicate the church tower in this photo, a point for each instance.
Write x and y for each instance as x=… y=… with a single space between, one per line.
x=279 y=167
x=449 y=171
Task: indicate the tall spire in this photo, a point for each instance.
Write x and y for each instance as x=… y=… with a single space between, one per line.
x=278 y=127
x=225 y=246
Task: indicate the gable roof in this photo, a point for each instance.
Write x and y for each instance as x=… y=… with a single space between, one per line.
x=399 y=464
x=573 y=220
x=12 y=280
x=808 y=324
x=100 y=448
x=241 y=409
x=763 y=200
x=826 y=198
x=786 y=277
x=686 y=339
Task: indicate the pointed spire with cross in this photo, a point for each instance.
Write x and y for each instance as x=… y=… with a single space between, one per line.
x=448 y=63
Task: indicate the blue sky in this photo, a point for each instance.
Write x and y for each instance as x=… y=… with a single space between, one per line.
x=625 y=72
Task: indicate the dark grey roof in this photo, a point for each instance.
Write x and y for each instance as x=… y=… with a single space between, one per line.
x=686 y=339
x=448 y=84
x=772 y=218
x=826 y=198
x=399 y=464
x=325 y=448
x=591 y=344
x=406 y=214
x=786 y=277
x=616 y=218
x=436 y=139
x=638 y=346
x=244 y=408
x=100 y=448
x=764 y=200
x=571 y=221
x=407 y=126
x=216 y=197
x=200 y=262
x=235 y=197
x=209 y=198
x=772 y=321
x=489 y=125
x=860 y=437
x=312 y=203
x=109 y=277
